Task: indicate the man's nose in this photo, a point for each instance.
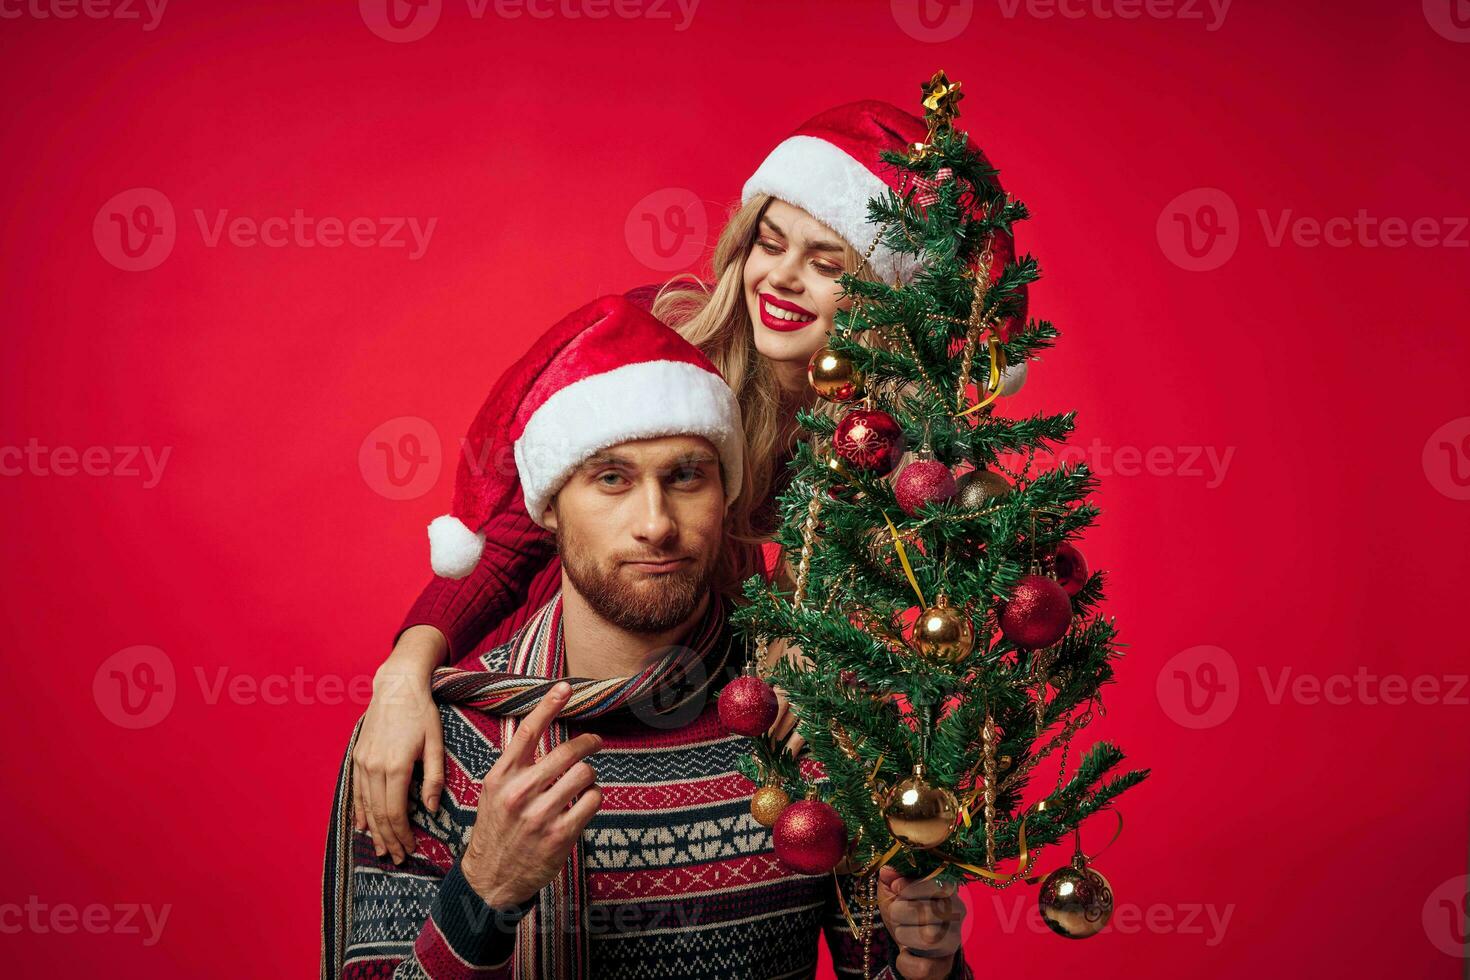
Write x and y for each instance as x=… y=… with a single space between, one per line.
x=655 y=523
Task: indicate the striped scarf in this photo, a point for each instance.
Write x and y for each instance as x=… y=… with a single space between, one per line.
x=550 y=942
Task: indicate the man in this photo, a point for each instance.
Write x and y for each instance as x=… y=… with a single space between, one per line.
x=593 y=822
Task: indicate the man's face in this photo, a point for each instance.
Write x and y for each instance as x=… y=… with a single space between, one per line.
x=639 y=528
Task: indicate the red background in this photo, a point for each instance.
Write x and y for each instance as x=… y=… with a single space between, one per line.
x=1333 y=541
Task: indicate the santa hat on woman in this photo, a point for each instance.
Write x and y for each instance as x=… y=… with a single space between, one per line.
x=831 y=166
x=608 y=373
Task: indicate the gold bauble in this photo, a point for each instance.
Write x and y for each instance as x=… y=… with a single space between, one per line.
x=1076 y=901
x=944 y=634
x=834 y=377
x=978 y=489
x=766 y=804
x=918 y=814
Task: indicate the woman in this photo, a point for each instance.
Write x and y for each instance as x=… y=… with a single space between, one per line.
x=801 y=224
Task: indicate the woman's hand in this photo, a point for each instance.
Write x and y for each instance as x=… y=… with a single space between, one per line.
x=785 y=725
x=786 y=718
x=400 y=727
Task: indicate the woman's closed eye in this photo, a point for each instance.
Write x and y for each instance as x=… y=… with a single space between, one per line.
x=776 y=248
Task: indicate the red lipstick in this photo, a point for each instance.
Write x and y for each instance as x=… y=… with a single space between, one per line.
x=767 y=301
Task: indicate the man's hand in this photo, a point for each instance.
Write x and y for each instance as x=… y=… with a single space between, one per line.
x=400 y=727
x=924 y=919
x=530 y=815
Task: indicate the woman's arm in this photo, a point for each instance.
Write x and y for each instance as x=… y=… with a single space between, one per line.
x=401 y=725
x=467 y=610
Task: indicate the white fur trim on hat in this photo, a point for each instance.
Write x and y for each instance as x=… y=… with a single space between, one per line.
x=832 y=187
x=645 y=400
x=454 y=550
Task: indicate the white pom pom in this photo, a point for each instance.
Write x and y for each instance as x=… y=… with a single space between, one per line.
x=1012 y=377
x=454 y=550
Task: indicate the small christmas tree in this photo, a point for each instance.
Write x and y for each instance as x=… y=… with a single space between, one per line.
x=948 y=627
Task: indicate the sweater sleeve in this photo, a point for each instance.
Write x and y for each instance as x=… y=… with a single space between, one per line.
x=959 y=970
x=467 y=609
x=516 y=550
x=463 y=937
x=846 y=948
x=422 y=918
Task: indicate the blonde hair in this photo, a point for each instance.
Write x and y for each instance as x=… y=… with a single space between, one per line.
x=716 y=319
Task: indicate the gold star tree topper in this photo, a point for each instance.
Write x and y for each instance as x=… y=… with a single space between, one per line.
x=941 y=106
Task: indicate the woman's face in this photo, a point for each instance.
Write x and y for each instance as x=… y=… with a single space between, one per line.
x=791 y=288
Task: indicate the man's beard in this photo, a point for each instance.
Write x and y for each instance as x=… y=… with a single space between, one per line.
x=656 y=605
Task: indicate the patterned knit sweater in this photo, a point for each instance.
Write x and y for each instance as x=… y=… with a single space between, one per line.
x=681 y=880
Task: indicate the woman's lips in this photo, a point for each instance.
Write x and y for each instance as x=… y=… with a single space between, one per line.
x=776 y=322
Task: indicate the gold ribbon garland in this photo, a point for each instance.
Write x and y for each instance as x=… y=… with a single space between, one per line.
x=903 y=559
x=1023 y=859
x=1113 y=840
x=993 y=382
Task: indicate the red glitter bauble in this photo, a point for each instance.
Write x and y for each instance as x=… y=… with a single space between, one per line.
x=927 y=481
x=1037 y=614
x=1069 y=568
x=810 y=837
x=748 y=706
x=869 y=440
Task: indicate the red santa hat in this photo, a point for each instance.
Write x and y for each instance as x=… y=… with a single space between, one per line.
x=831 y=166
x=606 y=374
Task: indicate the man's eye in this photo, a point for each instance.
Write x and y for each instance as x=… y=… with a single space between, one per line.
x=610 y=479
x=687 y=476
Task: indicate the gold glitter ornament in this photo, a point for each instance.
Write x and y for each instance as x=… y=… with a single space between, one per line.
x=766 y=804
x=979 y=489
